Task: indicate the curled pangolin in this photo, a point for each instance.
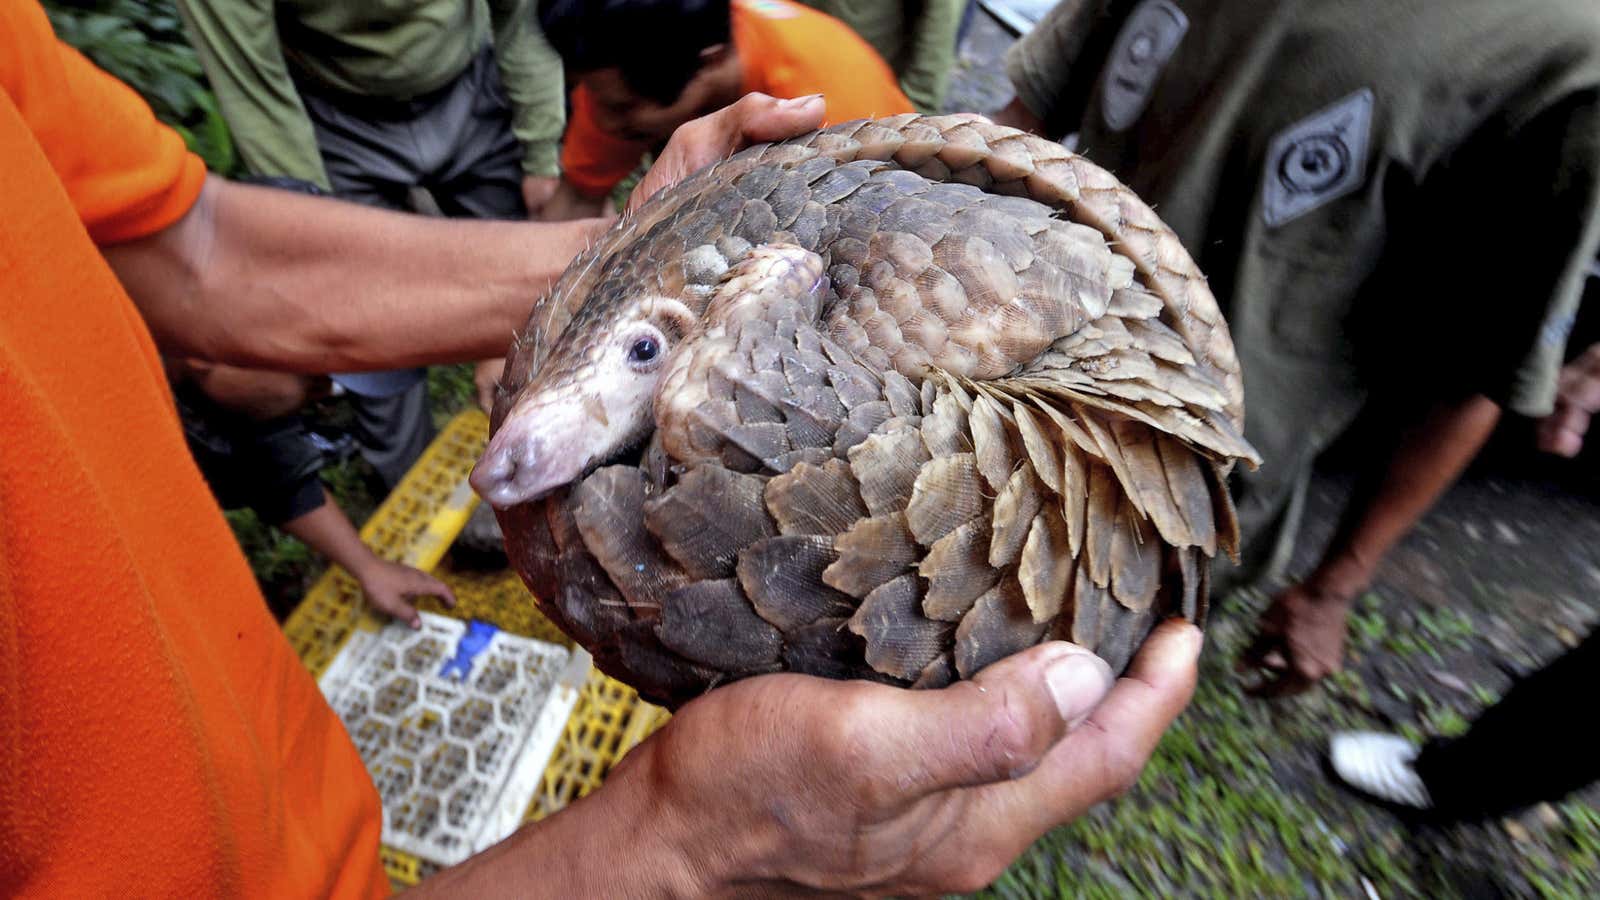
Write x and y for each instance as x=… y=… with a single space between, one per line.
x=890 y=401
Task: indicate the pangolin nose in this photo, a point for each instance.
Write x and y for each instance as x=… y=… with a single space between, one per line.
x=506 y=474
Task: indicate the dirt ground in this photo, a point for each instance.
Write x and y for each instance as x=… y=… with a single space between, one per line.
x=1499 y=579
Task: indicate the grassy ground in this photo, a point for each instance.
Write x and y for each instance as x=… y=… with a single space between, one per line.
x=1235 y=802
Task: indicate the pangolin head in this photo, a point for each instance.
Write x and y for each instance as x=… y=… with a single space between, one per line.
x=590 y=399
x=598 y=393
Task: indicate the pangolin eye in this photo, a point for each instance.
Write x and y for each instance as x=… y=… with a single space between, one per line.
x=644 y=350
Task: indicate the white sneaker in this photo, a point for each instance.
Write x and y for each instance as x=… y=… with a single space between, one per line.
x=1380 y=765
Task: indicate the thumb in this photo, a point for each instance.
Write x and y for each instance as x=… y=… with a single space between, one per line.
x=1105 y=758
x=758 y=117
x=999 y=725
x=751 y=119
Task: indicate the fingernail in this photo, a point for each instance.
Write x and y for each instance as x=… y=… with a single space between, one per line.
x=794 y=102
x=1078 y=682
x=1194 y=635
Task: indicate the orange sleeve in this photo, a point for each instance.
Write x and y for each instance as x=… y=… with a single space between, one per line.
x=595 y=161
x=789 y=50
x=127 y=174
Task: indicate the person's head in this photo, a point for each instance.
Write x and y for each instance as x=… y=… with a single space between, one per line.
x=650 y=65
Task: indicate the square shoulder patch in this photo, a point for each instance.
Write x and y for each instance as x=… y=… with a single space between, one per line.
x=1142 y=50
x=1317 y=159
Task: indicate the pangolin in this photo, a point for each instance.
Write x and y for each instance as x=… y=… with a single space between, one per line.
x=891 y=401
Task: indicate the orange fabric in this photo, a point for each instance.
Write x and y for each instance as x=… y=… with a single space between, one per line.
x=157 y=734
x=785 y=50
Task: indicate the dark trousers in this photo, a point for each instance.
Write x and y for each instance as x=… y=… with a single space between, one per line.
x=457 y=145
x=1535 y=745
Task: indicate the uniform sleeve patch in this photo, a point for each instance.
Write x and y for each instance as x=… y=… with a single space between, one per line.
x=769 y=9
x=1143 y=47
x=1317 y=160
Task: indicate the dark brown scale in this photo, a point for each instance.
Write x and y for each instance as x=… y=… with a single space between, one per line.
x=1005 y=415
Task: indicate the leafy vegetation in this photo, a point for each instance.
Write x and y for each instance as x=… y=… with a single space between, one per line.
x=142 y=43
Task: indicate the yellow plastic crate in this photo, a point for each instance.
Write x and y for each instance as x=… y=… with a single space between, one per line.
x=416 y=525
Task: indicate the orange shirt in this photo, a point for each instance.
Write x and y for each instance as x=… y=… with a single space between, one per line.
x=157 y=734
x=785 y=50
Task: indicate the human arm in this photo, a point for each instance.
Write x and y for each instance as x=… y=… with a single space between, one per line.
x=1044 y=69
x=530 y=70
x=1301 y=634
x=237 y=41
x=387 y=585
x=790 y=784
x=925 y=70
x=538 y=191
x=1489 y=336
x=260 y=394
x=271 y=279
x=566 y=202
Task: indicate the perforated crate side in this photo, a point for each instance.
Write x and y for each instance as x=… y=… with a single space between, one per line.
x=609 y=720
x=437 y=483
x=403 y=869
x=416 y=524
x=498 y=597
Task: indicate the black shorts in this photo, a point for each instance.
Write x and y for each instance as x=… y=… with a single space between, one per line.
x=270 y=467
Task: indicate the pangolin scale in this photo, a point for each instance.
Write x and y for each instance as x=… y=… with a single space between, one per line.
x=929 y=391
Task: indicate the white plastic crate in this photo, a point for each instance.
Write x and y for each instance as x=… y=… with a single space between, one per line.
x=456 y=722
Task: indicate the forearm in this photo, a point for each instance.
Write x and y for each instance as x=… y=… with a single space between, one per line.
x=1388 y=502
x=330 y=532
x=925 y=74
x=532 y=74
x=271 y=279
x=579 y=851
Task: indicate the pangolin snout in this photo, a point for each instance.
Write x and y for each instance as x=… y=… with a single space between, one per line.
x=520 y=464
x=546 y=441
x=508 y=473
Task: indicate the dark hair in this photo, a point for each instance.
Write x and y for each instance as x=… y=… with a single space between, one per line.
x=656 y=44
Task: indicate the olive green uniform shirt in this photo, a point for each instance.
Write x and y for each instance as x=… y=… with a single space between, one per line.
x=1391 y=198
x=916 y=38
x=253 y=50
